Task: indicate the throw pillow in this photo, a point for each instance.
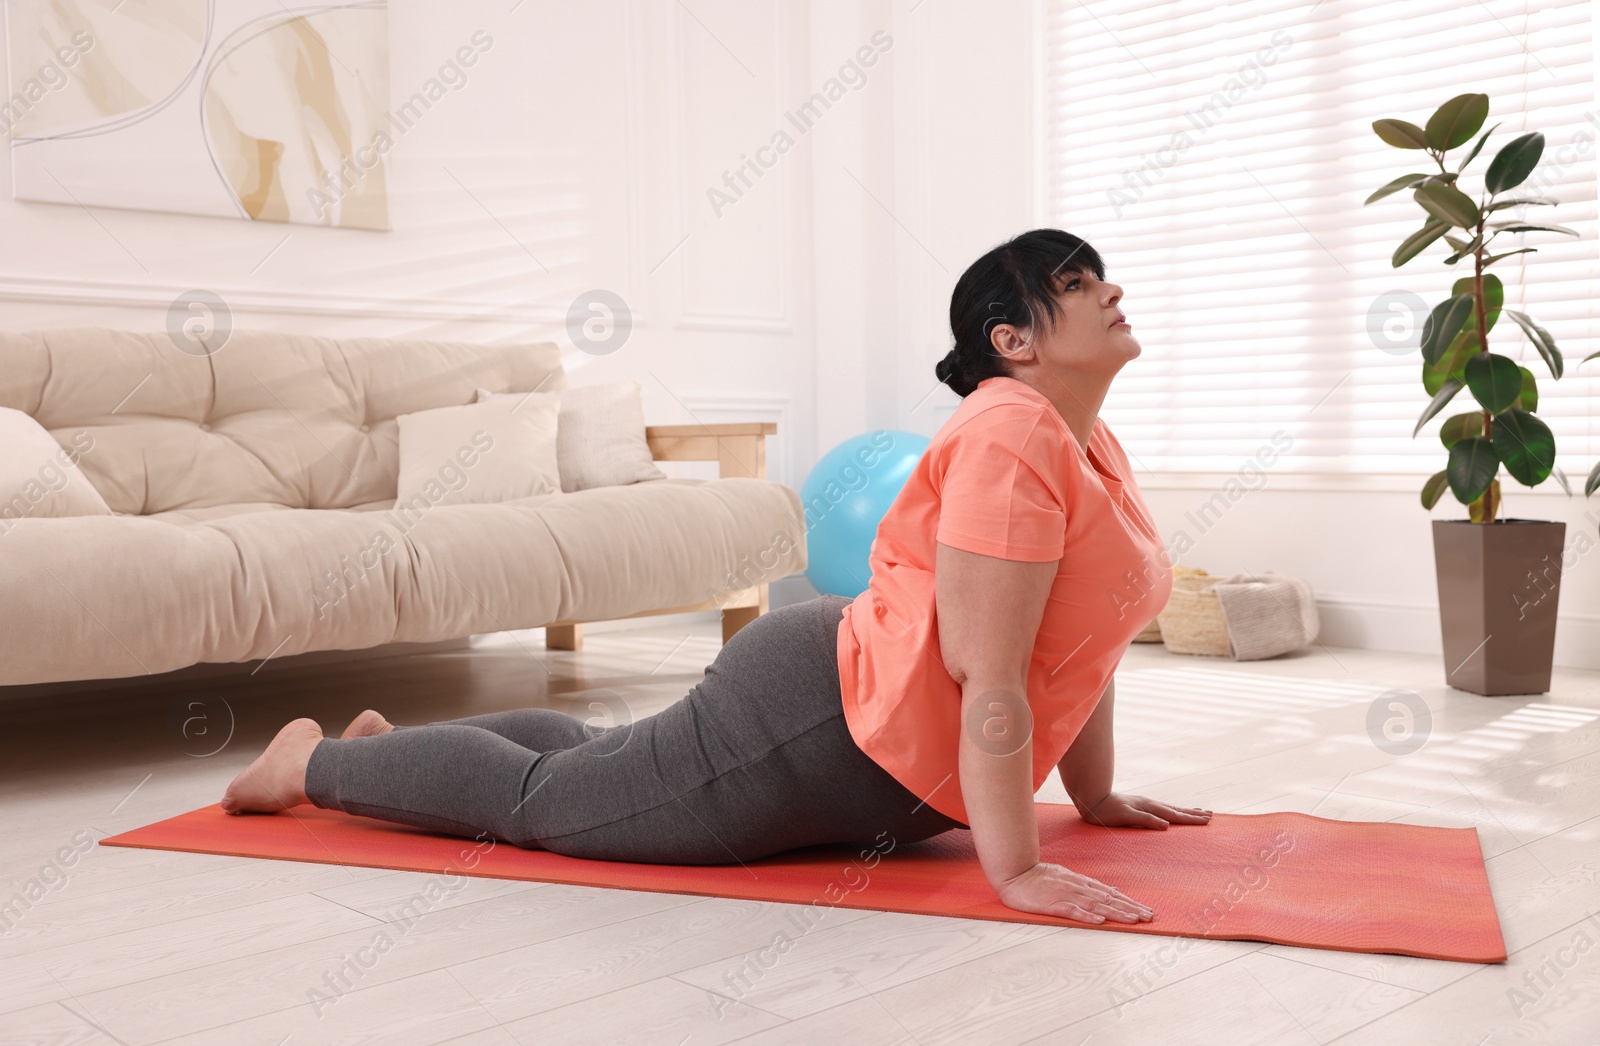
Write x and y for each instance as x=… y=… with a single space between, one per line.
x=39 y=477
x=600 y=440
x=479 y=453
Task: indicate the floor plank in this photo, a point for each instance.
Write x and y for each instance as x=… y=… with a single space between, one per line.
x=582 y=965
x=1030 y=989
x=71 y=919
x=50 y=1024
x=1545 y=993
x=197 y=943
x=1286 y=1005
x=663 y=1010
x=811 y=971
x=386 y=1013
x=301 y=975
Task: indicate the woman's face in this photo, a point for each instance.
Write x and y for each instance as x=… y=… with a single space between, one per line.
x=1089 y=335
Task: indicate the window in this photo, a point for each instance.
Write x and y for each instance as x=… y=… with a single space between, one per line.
x=1217 y=155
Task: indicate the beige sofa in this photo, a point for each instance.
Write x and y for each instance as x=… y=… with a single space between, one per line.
x=245 y=482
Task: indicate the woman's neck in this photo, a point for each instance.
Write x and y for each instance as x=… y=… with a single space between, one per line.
x=1076 y=397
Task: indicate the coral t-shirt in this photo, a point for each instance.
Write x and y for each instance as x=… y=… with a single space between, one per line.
x=1004 y=477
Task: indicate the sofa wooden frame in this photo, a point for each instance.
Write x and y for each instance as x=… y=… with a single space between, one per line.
x=740 y=449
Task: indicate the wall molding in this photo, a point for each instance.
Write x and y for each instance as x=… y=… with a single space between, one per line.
x=110 y=294
x=782 y=321
x=635 y=77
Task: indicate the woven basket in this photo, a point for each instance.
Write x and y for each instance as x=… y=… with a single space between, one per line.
x=1192 y=621
x=1151 y=633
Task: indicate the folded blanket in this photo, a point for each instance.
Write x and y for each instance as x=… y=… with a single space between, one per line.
x=1266 y=614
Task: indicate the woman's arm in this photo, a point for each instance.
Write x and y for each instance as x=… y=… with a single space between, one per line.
x=988 y=612
x=1086 y=771
x=1087 y=766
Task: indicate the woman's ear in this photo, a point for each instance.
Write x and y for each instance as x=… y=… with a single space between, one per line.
x=1011 y=343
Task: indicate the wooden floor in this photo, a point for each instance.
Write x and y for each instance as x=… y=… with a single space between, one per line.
x=136 y=946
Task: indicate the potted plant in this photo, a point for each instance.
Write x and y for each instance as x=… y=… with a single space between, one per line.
x=1499 y=579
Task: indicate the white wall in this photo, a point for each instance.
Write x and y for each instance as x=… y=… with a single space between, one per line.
x=578 y=155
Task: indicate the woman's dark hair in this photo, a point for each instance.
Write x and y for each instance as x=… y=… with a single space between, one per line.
x=1015 y=283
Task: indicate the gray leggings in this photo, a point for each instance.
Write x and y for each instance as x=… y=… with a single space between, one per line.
x=756 y=759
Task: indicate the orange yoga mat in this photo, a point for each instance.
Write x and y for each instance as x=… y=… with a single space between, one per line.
x=1285 y=878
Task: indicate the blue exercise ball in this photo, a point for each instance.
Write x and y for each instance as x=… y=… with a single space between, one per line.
x=846 y=495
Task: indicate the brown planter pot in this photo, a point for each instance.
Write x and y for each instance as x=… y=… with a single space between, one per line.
x=1498 y=587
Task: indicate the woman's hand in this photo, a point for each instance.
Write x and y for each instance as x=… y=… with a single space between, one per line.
x=1117 y=810
x=1049 y=889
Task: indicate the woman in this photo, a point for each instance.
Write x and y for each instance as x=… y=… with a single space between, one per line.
x=1007 y=580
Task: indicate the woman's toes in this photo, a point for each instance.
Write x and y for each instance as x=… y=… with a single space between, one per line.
x=277 y=779
x=367 y=724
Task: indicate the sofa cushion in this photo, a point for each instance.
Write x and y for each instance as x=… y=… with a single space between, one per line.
x=38 y=476
x=621 y=550
x=288 y=419
x=113 y=596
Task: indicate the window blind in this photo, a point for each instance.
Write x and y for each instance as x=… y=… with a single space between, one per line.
x=1218 y=154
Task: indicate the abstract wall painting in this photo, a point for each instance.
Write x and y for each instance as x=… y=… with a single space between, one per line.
x=235 y=108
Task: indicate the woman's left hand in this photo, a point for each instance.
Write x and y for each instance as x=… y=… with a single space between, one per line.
x=1117 y=810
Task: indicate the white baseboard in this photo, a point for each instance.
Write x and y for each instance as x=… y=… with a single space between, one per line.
x=1414 y=629
x=1367 y=624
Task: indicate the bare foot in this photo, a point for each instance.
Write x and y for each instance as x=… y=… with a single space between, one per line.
x=277 y=779
x=367 y=724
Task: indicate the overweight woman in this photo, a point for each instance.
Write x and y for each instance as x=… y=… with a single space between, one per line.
x=1007 y=579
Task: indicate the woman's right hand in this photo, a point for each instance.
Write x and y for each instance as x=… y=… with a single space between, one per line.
x=1050 y=889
